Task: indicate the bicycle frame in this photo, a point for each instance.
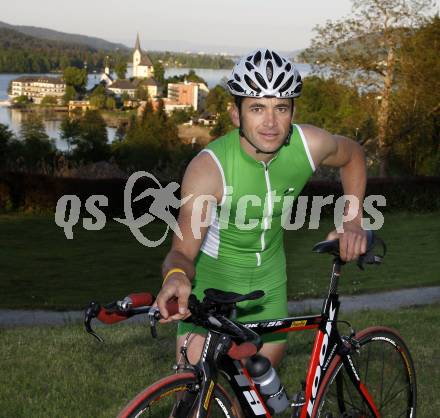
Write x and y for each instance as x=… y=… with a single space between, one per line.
x=327 y=345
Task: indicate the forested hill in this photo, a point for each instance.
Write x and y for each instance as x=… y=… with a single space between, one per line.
x=53 y=35
x=22 y=53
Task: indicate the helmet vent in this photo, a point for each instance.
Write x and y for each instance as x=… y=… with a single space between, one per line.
x=286 y=85
x=267 y=55
x=249 y=66
x=257 y=58
x=236 y=87
x=277 y=59
x=287 y=67
x=237 y=77
x=278 y=81
x=298 y=88
x=260 y=79
x=269 y=71
x=251 y=84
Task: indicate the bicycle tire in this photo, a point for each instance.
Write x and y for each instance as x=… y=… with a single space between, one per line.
x=387 y=371
x=159 y=399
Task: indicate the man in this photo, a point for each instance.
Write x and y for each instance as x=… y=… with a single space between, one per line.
x=252 y=169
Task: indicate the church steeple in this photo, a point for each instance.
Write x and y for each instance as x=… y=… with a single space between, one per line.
x=142 y=65
x=137 y=46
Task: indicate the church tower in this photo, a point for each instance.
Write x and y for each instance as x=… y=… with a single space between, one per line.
x=142 y=65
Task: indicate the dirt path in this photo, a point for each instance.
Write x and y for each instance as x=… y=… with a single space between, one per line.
x=382 y=301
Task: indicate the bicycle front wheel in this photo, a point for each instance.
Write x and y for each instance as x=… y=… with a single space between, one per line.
x=385 y=368
x=174 y=396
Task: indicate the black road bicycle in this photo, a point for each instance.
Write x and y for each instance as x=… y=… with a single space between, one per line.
x=364 y=374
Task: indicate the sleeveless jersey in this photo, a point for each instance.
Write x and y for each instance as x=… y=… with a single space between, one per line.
x=243 y=248
x=246 y=227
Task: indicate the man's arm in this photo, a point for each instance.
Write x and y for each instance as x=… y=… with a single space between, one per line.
x=348 y=155
x=202 y=178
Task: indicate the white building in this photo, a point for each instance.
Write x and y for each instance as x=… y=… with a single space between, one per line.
x=142 y=65
x=35 y=88
x=129 y=87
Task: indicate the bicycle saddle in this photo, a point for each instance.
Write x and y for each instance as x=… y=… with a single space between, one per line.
x=219 y=296
x=332 y=247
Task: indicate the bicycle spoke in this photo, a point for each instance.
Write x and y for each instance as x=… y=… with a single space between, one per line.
x=383 y=371
x=367 y=363
x=396 y=394
x=381 y=383
x=391 y=386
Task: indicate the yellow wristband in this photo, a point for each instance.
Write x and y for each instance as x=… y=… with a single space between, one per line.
x=170 y=272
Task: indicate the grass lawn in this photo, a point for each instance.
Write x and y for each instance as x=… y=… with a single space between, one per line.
x=63 y=372
x=40 y=268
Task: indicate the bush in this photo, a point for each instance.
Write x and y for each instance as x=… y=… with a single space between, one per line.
x=49 y=101
x=31 y=192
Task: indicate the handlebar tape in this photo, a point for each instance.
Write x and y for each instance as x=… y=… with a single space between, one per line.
x=137 y=300
x=240 y=351
x=111 y=317
x=141 y=299
x=172 y=307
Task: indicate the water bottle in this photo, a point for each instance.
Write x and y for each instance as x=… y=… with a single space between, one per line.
x=265 y=376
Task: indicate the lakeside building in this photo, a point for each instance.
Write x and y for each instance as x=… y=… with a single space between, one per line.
x=129 y=87
x=188 y=94
x=35 y=88
x=82 y=105
x=142 y=65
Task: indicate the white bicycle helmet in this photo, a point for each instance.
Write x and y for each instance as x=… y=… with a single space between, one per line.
x=264 y=73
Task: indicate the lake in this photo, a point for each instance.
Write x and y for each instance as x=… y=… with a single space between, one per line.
x=13 y=117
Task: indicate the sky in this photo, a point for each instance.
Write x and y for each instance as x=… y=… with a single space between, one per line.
x=196 y=25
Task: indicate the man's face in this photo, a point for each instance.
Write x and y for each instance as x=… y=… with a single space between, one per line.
x=266 y=121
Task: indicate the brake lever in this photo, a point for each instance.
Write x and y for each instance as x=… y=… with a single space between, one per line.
x=153 y=315
x=92 y=312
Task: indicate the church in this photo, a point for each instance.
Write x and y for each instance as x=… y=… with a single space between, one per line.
x=142 y=77
x=142 y=65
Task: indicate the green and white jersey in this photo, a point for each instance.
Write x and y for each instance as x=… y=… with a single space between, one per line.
x=246 y=227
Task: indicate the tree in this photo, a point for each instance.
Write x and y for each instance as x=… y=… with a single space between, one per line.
x=38 y=149
x=91 y=144
x=222 y=125
x=336 y=107
x=218 y=100
x=159 y=72
x=6 y=136
x=76 y=78
x=22 y=100
x=69 y=94
x=415 y=118
x=33 y=128
x=180 y=116
x=192 y=76
x=110 y=103
x=98 y=97
x=150 y=141
x=121 y=68
x=141 y=92
x=49 y=101
x=362 y=49
x=70 y=130
x=124 y=97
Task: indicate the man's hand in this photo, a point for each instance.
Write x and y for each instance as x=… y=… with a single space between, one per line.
x=177 y=285
x=352 y=242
